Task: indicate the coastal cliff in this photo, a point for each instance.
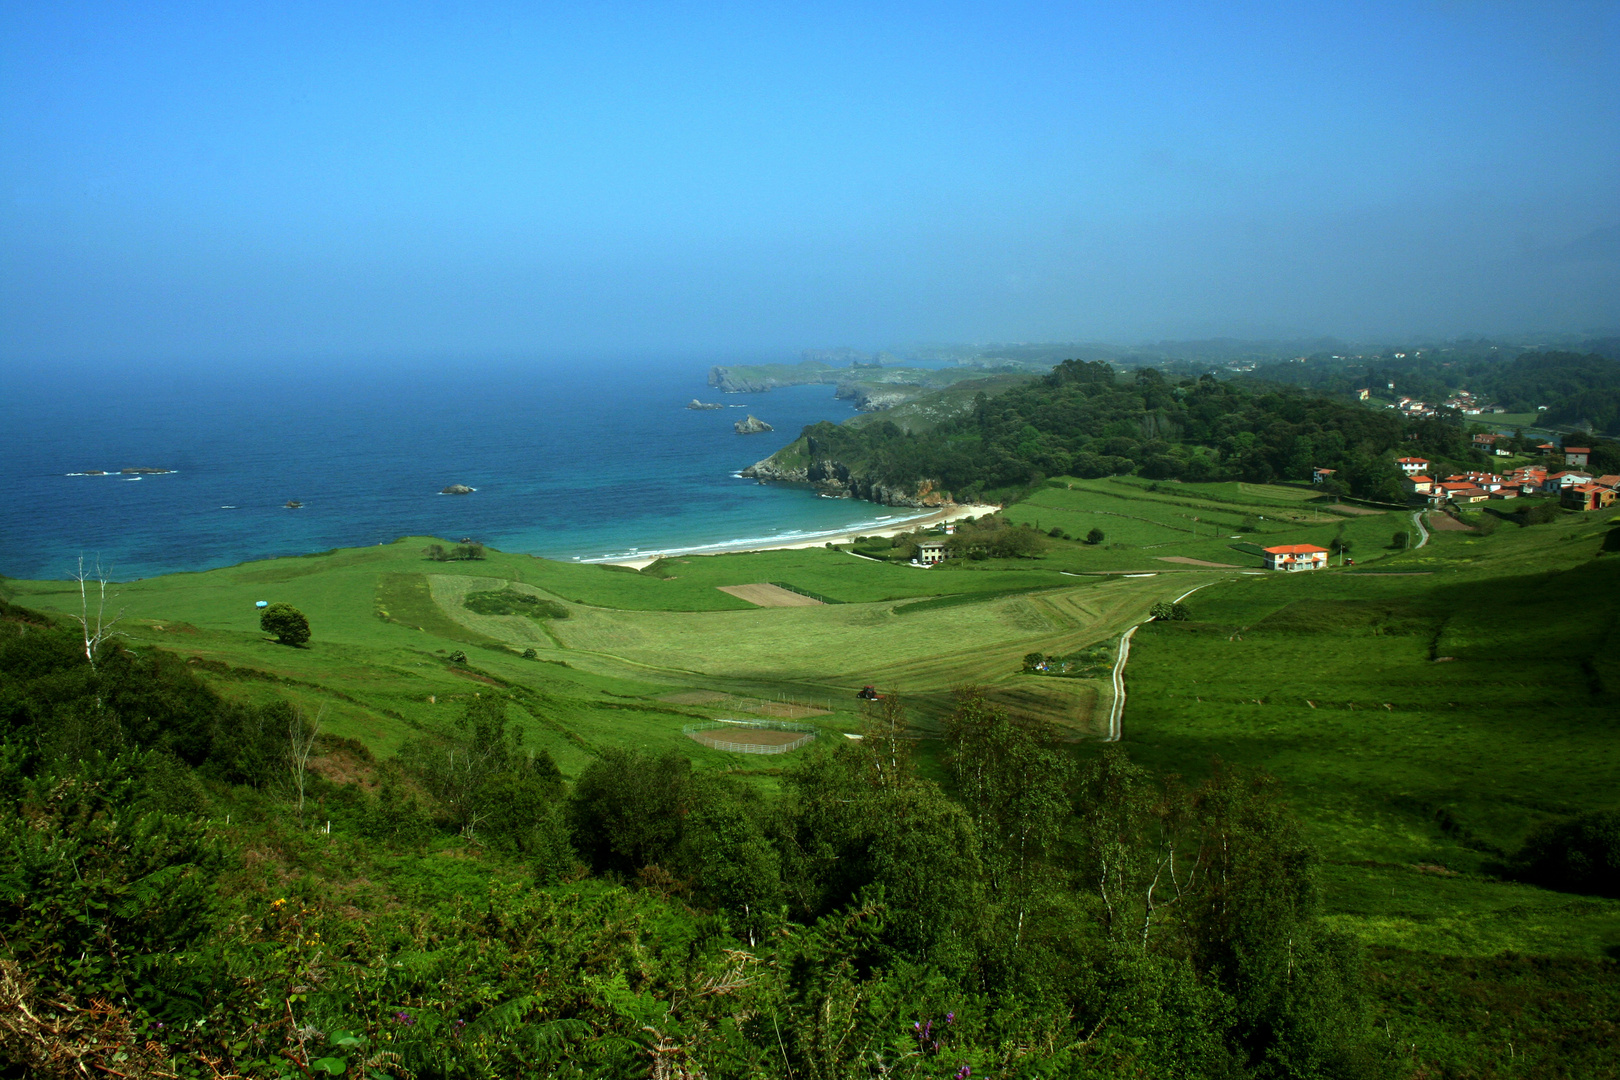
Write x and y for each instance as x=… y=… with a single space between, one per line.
x=807 y=461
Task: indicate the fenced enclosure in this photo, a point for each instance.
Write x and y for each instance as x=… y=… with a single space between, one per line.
x=751 y=736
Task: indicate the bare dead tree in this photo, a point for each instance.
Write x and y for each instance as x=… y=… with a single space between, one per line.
x=301 y=740
x=97 y=628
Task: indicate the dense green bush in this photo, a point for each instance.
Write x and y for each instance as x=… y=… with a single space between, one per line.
x=285 y=623
x=1579 y=854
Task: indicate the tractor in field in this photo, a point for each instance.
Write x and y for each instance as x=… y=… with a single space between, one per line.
x=869 y=693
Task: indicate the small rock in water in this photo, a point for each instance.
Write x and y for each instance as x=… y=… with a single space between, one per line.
x=457 y=489
x=753 y=425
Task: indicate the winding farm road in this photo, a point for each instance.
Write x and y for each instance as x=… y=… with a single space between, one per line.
x=1116 y=714
x=1423 y=534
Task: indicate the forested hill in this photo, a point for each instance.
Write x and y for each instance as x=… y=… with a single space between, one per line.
x=1085 y=419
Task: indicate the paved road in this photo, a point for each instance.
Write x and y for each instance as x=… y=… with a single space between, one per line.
x=1116 y=714
x=1423 y=534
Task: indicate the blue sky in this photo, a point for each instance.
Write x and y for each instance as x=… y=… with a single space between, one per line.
x=334 y=180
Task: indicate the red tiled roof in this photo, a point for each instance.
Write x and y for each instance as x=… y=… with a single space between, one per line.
x=1296 y=549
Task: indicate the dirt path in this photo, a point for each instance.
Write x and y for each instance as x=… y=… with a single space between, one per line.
x=1117 y=712
x=1116 y=715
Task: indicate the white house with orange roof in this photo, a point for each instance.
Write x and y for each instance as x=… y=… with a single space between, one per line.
x=1296 y=557
x=1418 y=485
x=1558 y=481
x=1411 y=466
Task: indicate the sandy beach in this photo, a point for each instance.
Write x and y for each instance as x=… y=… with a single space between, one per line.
x=938 y=517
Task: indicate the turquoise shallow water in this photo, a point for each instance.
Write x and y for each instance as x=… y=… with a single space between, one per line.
x=567 y=463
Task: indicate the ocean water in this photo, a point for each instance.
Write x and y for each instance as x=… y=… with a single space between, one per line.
x=568 y=461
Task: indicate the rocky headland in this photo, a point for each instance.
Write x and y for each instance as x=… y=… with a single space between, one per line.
x=806 y=461
x=758 y=378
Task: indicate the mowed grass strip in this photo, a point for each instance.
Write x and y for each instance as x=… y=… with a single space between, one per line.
x=766 y=595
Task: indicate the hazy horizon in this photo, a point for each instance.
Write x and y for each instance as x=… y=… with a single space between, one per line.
x=196 y=184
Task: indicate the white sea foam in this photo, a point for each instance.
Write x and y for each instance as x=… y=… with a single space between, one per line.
x=748 y=543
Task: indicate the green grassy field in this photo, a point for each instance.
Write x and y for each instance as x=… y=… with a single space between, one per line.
x=387 y=620
x=1424 y=719
x=1144 y=523
x=1425 y=709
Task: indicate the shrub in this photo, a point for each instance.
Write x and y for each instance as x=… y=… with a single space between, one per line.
x=1095 y=537
x=285 y=623
x=1579 y=854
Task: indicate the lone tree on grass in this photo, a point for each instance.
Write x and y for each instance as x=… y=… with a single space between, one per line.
x=1399 y=541
x=1094 y=537
x=285 y=623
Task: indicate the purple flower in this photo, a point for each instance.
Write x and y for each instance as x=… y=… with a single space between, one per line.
x=404 y=1018
x=964 y=1072
x=950 y=1018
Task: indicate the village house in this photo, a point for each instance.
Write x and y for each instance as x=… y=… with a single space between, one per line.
x=1545 y=449
x=1418 y=485
x=1608 y=480
x=1576 y=455
x=1362 y=395
x=1296 y=557
x=1319 y=476
x=1587 y=497
x=1411 y=466
x=1456 y=491
x=930 y=552
x=1505 y=493
x=1558 y=481
x=1488 y=481
x=1528 y=479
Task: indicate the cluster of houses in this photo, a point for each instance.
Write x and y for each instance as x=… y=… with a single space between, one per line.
x=1576 y=488
x=1462 y=401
